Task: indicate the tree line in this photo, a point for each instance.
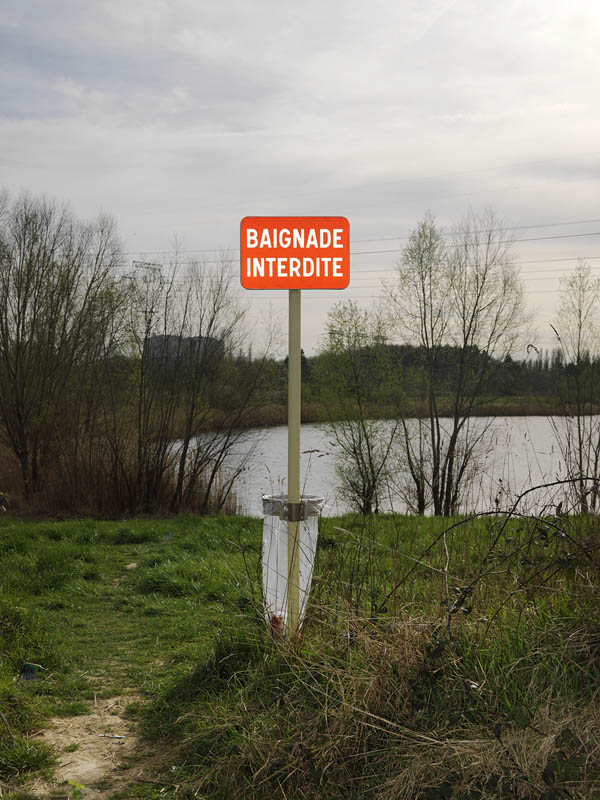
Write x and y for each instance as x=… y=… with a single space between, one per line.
x=109 y=381
x=515 y=385
x=129 y=392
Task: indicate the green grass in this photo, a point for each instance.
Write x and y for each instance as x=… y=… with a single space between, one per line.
x=69 y=603
x=22 y=757
x=377 y=700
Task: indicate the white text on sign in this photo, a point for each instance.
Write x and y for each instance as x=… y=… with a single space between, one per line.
x=295 y=252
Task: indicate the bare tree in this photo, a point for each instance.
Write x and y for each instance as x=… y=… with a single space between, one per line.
x=214 y=325
x=354 y=374
x=172 y=448
x=117 y=392
x=461 y=299
x=54 y=276
x=577 y=385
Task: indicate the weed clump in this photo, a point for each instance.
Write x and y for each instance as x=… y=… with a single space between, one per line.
x=21 y=638
x=22 y=756
x=378 y=710
x=467 y=670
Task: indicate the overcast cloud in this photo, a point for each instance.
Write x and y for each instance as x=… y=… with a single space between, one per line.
x=182 y=117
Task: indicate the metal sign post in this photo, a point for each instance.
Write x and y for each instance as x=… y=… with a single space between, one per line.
x=294 y=407
x=293 y=253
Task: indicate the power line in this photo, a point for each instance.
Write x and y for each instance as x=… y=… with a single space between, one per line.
x=367 y=273
x=381 y=285
x=525 y=275
x=391 y=267
x=511 y=228
x=552 y=260
x=399 y=250
x=332 y=299
x=404 y=236
x=500 y=241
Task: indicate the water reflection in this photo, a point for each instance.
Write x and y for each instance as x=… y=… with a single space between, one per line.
x=520 y=452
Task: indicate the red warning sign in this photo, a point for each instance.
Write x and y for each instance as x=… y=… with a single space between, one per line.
x=295 y=252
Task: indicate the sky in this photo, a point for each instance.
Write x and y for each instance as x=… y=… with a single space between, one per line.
x=180 y=117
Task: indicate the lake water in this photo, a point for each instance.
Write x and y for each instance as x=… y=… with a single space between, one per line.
x=522 y=452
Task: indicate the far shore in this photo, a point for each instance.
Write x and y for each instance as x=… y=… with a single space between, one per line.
x=273 y=414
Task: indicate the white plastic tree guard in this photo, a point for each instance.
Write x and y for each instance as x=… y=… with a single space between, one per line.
x=275 y=555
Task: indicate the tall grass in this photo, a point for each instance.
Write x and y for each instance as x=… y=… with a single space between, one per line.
x=92 y=484
x=438 y=659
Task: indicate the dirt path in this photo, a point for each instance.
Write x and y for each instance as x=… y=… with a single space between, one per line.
x=106 y=744
x=107 y=639
x=98 y=751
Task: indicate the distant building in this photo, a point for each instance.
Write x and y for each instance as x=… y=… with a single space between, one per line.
x=183 y=351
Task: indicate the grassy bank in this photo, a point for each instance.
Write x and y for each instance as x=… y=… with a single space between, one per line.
x=313 y=412
x=438 y=659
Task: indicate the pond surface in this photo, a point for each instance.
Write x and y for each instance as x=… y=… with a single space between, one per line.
x=521 y=452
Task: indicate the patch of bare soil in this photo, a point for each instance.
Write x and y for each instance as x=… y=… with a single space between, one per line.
x=106 y=745
x=130 y=567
